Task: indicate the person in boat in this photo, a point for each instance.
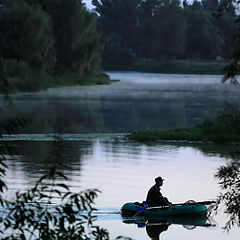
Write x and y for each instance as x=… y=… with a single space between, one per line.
x=154 y=195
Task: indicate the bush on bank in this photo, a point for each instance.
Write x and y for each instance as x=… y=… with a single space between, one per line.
x=224 y=128
x=21 y=77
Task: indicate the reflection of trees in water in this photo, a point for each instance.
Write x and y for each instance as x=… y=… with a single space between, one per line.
x=57 y=115
x=125 y=112
x=165 y=110
x=36 y=157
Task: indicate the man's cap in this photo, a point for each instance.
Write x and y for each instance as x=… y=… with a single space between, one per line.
x=159 y=179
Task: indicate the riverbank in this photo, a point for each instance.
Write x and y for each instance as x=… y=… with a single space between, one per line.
x=32 y=82
x=179 y=66
x=224 y=128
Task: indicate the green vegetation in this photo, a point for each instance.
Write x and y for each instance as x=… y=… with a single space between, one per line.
x=183 y=66
x=229 y=175
x=49 y=43
x=177 y=66
x=153 y=35
x=224 y=128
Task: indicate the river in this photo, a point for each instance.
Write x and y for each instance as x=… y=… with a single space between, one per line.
x=137 y=101
x=124 y=170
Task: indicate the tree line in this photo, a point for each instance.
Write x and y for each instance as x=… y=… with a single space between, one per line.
x=164 y=30
x=59 y=42
x=41 y=38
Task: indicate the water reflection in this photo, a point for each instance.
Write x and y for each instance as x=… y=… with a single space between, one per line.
x=154 y=231
x=123 y=171
x=154 y=228
x=34 y=159
x=124 y=106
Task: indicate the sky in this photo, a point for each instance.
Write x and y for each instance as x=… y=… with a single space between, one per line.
x=88 y=3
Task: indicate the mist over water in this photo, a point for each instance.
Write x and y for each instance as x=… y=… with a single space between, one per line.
x=137 y=101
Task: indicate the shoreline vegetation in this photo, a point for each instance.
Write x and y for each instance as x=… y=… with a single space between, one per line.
x=223 y=129
x=43 y=51
x=39 y=50
x=173 y=67
x=32 y=83
x=22 y=79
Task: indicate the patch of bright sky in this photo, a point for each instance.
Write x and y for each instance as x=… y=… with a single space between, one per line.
x=88 y=4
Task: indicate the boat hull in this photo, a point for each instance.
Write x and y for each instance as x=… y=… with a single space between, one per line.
x=131 y=209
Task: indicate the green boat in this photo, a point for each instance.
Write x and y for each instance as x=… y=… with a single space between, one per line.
x=186 y=209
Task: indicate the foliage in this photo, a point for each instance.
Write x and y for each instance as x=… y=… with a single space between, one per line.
x=203 y=38
x=118 y=22
x=232 y=68
x=225 y=128
x=75 y=79
x=42 y=39
x=164 y=30
x=26 y=35
x=77 y=42
x=179 y=66
x=229 y=176
x=158 y=21
x=34 y=213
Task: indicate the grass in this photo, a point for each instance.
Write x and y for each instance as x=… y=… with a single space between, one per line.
x=224 y=128
x=72 y=79
x=178 y=66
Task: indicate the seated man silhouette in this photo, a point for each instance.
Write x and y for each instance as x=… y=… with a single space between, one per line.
x=154 y=196
x=154 y=231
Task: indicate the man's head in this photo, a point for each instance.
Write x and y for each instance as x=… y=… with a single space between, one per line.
x=159 y=181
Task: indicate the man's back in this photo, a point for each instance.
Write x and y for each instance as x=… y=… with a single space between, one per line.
x=154 y=197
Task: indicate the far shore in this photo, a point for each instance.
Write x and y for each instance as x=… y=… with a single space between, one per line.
x=174 y=67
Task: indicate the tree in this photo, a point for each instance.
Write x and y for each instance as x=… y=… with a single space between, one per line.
x=118 y=20
x=203 y=40
x=227 y=28
x=77 y=41
x=162 y=30
x=26 y=35
x=210 y=5
x=232 y=68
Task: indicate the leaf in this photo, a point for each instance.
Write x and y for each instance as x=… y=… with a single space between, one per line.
x=62 y=186
x=62 y=175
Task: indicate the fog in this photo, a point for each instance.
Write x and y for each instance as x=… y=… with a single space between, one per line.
x=135 y=101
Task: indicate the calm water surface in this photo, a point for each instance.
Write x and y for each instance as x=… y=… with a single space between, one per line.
x=137 y=101
x=124 y=171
